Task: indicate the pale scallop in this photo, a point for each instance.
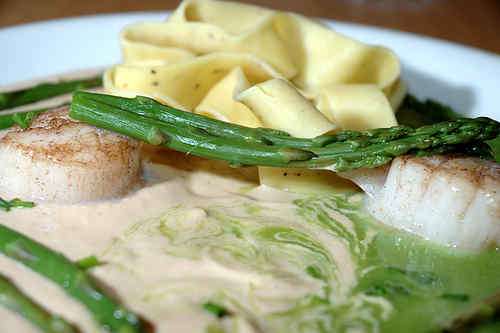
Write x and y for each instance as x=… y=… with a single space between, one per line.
x=453 y=201
x=58 y=159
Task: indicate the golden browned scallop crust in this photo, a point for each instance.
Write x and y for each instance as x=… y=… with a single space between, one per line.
x=59 y=159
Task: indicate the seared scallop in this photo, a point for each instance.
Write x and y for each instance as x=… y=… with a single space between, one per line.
x=62 y=160
x=450 y=200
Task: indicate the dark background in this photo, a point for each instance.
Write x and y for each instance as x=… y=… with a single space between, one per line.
x=472 y=22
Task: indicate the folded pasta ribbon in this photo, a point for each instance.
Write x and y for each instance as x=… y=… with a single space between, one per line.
x=209 y=52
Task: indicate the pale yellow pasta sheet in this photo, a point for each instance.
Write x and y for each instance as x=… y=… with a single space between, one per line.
x=302 y=50
x=356 y=106
x=288 y=71
x=183 y=84
x=279 y=105
x=219 y=102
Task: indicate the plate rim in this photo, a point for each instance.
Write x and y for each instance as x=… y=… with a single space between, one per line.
x=334 y=22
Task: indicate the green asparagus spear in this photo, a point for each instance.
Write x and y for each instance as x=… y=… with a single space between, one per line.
x=152 y=122
x=183 y=138
x=7 y=205
x=43 y=91
x=75 y=281
x=15 y=300
x=494 y=146
x=23 y=119
x=6 y=121
x=416 y=113
x=148 y=107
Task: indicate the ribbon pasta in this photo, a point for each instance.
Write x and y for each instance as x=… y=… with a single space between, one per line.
x=280 y=106
x=208 y=52
x=220 y=103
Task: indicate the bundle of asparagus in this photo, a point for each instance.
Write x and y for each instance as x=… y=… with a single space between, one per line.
x=147 y=120
x=76 y=283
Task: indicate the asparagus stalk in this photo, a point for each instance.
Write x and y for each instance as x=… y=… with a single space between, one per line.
x=416 y=113
x=494 y=147
x=154 y=123
x=43 y=91
x=23 y=119
x=75 y=281
x=7 y=205
x=6 y=121
x=149 y=108
x=15 y=300
x=183 y=138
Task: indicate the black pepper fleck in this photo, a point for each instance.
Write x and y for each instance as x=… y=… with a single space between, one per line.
x=155 y=83
x=285 y=174
x=153 y=71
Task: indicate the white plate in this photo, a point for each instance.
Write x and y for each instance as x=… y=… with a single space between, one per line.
x=465 y=78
